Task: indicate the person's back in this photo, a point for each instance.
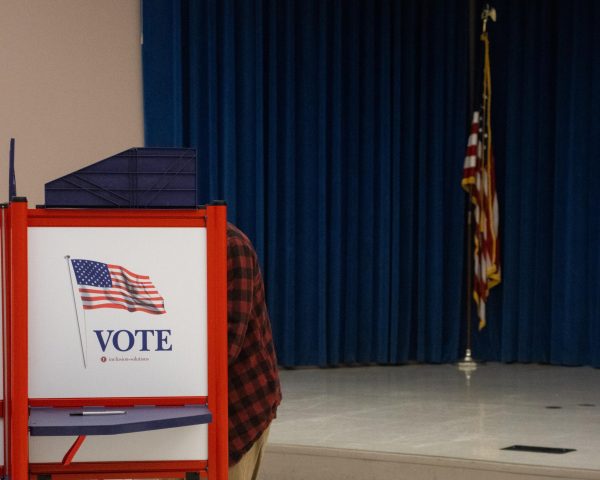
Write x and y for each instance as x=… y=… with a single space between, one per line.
x=254 y=391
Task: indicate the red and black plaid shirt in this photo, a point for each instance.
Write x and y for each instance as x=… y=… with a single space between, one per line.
x=254 y=391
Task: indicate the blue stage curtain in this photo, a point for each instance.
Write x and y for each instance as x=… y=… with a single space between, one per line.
x=336 y=131
x=546 y=110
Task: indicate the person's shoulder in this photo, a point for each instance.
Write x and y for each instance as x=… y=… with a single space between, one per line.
x=237 y=238
x=235 y=234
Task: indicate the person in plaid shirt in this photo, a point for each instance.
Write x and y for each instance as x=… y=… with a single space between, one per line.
x=254 y=391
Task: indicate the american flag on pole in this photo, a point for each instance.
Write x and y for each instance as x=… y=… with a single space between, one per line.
x=102 y=285
x=479 y=181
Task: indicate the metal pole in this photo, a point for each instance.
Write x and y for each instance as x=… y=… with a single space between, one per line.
x=467 y=365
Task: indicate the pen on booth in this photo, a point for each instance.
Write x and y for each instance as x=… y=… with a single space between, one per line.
x=99 y=412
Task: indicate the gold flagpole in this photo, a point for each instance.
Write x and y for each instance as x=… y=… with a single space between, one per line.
x=468 y=365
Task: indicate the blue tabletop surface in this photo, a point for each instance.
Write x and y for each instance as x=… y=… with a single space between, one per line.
x=69 y=421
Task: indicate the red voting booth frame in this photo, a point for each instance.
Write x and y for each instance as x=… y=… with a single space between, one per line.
x=16 y=218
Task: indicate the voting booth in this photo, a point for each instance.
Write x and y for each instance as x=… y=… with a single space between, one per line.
x=115 y=339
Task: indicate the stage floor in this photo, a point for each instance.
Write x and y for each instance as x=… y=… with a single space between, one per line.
x=421 y=411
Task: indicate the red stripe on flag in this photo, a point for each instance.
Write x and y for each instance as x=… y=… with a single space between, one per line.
x=122 y=307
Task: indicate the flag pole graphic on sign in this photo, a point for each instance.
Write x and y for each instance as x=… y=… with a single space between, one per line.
x=79 y=312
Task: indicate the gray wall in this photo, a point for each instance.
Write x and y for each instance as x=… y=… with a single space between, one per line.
x=70 y=86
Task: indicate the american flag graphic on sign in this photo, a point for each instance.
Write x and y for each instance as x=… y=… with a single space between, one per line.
x=103 y=285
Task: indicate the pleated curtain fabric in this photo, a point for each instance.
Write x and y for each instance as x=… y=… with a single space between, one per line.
x=336 y=131
x=547 y=138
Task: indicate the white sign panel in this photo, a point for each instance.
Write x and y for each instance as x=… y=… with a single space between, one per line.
x=117 y=312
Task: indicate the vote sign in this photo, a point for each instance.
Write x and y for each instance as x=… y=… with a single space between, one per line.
x=117 y=312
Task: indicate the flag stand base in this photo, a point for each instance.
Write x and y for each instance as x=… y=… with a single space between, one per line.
x=467 y=366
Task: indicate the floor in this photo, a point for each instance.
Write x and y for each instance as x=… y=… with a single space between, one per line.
x=435 y=410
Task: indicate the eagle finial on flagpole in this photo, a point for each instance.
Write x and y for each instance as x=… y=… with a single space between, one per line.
x=487 y=14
